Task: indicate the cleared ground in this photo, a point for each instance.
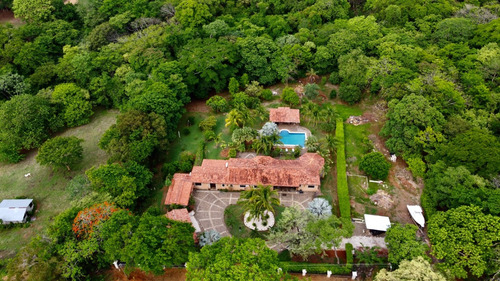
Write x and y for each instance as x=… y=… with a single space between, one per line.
x=47 y=186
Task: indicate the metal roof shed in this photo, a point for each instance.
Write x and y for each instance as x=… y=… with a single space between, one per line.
x=15 y=215
x=417 y=214
x=377 y=223
x=16 y=203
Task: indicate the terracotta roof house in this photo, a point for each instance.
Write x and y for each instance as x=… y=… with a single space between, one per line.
x=179 y=215
x=303 y=174
x=180 y=190
x=284 y=115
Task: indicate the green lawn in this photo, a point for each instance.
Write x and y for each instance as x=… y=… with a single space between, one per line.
x=190 y=142
x=46 y=186
x=357 y=143
x=345 y=111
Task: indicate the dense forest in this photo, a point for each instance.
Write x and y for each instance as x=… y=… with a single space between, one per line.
x=436 y=63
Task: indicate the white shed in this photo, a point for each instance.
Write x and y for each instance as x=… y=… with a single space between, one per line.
x=377 y=223
x=15 y=210
x=417 y=214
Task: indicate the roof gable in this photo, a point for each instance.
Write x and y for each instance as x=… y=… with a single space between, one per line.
x=284 y=115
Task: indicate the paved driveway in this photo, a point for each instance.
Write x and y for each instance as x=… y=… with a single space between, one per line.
x=210 y=206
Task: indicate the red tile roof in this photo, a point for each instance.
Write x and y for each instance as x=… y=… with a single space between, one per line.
x=261 y=170
x=180 y=190
x=179 y=215
x=284 y=115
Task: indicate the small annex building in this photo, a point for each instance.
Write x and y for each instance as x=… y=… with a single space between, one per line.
x=284 y=115
x=15 y=210
x=377 y=224
x=301 y=174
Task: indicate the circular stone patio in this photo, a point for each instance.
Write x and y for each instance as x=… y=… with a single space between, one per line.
x=258 y=224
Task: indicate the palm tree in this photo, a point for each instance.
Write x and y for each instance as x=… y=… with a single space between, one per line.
x=257 y=201
x=238 y=117
x=311 y=73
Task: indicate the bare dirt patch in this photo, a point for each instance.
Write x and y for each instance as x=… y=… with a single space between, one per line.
x=7 y=16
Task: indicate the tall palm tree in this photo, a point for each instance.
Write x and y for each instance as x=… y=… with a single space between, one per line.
x=257 y=201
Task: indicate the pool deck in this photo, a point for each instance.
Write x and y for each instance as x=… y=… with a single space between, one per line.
x=295 y=129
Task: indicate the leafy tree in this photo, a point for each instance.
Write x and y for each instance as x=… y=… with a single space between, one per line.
x=320 y=207
x=354 y=33
x=101 y=35
x=234 y=259
x=269 y=129
x=12 y=84
x=349 y=93
x=454 y=30
x=208 y=124
x=375 y=165
x=258 y=201
x=416 y=166
x=161 y=99
x=234 y=86
x=260 y=58
x=209 y=237
x=403 y=243
x=77 y=107
x=406 y=118
x=489 y=58
x=125 y=182
x=61 y=152
x=290 y=97
x=477 y=150
x=216 y=28
x=218 y=104
x=464 y=239
x=191 y=13
x=32 y=10
x=25 y=122
x=254 y=89
x=353 y=68
x=87 y=221
x=311 y=91
x=451 y=187
x=304 y=234
x=135 y=136
x=158 y=242
x=416 y=269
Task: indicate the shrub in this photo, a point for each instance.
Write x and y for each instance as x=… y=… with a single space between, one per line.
x=209 y=237
x=333 y=93
x=349 y=255
x=290 y=97
x=320 y=207
x=209 y=135
x=186 y=131
x=266 y=94
x=323 y=81
x=334 y=78
x=349 y=93
x=218 y=104
x=232 y=153
x=296 y=152
x=311 y=91
x=284 y=255
x=417 y=167
x=342 y=188
x=171 y=168
x=208 y=124
x=190 y=121
x=375 y=165
x=200 y=154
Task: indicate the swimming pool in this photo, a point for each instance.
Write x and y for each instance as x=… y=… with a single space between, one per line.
x=288 y=138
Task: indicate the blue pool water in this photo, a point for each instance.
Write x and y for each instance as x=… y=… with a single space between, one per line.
x=288 y=138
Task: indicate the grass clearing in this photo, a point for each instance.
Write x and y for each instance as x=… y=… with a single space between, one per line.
x=47 y=186
x=345 y=111
x=357 y=144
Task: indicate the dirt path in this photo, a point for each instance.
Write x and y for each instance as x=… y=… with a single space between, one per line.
x=7 y=16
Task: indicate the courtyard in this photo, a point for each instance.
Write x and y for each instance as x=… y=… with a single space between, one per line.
x=210 y=206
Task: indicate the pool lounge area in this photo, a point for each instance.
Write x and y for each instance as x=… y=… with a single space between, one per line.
x=292 y=138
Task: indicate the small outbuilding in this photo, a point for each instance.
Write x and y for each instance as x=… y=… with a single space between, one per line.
x=284 y=115
x=377 y=224
x=15 y=210
x=417 y=214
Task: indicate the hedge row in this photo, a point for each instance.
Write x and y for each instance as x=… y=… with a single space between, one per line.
x=320 y=268
x=200 y=154
x=342 y=188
